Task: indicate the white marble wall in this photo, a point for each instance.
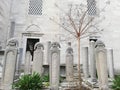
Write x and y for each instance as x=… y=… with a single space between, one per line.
x=4 y=21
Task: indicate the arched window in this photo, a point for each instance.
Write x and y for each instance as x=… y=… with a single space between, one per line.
x=35 y=7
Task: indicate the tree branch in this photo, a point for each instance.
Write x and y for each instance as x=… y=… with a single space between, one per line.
x=89 y=22
x=72 y=23
x=73 y=33
x=88 y=35
x=81 y=21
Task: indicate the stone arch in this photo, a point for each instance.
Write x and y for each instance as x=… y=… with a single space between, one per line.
x=33 y=28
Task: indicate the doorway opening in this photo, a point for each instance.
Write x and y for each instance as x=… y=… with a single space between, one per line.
x=30 y=45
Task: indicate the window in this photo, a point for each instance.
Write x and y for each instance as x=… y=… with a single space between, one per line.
x=91 y=5
x=35 y=7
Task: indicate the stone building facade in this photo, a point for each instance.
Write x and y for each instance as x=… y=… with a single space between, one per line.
x=29 y=22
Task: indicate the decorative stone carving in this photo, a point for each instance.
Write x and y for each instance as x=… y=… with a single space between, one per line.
x=39 y=45
x=9 y=64
x=12 y=42
x=55 y=45
x=38 y=58
x=99 y=44
x=69 y=50
x=54 y=65
x=101 y=64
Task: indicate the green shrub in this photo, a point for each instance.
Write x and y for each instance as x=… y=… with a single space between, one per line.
x=61 y=79
x=116 y=83
x=29 y=82
x=45 y=78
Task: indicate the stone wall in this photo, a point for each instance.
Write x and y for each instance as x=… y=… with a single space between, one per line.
x=109 y=24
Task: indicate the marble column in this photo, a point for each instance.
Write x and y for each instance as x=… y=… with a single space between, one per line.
x=27 y=65
x=38 y=58
x=54 y=65
x=69 y=64
x=85 y=62
x=110 y=63
x=92 y=61
x=101 y=64
x=9 y=64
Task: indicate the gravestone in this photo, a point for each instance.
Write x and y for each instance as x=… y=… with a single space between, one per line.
x=9 y=63
x=92 y=67
x=38 y=58
x=27 y=66
x=69 y=64
x=19 y=61
x=54 y=65
x=85 y=62
x=101 y=64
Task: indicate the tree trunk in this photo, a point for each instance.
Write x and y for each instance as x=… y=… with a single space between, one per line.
x=79 y=71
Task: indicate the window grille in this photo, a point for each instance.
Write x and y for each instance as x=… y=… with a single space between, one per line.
x=91 y=5
x=35 y=7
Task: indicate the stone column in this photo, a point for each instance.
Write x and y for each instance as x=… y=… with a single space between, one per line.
x=48 y=51
x=27 y=65
x=9 y=64
x=20 y=60
x=92 y=61
x=69 y=64
x=85 y=62
x=101 y=64
x=38 y=58
x=54 y=65
x=110 y=63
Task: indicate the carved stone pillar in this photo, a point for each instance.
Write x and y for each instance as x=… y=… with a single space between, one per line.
x=54 y=65
x=27 y=65
x=38 y=58
x=92 y=61
x=69 y=64
x=9 y=64
x=101 y=64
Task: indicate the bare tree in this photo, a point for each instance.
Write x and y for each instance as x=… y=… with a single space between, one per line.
x=78 y=23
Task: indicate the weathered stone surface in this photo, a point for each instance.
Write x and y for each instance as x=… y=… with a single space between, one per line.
x=92 y=67
x=85 y=62
x=54 y=65
x=38 y=58
x=101 y=64
x=9 y=64
x=27 y=65
x=69 y=64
